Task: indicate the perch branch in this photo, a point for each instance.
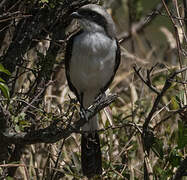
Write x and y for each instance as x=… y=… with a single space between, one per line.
x=53 y=133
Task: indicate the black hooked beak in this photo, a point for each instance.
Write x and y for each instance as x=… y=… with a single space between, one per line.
x=76 y=15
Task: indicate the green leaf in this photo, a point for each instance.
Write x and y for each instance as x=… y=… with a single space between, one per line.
x=9 y=178
x=174 y=158
x=5 y=90
x=6 y=71
x=44 y=1
x=17 y=128
x=157 y=148
x=182 y=135
x=1 y=80
x=174 y=103
x=180 y=97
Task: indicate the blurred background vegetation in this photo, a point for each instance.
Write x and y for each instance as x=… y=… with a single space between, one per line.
x=143 y=133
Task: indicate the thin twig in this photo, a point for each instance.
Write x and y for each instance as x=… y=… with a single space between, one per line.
x=36 y=97
x=148 y=82
x=58 y=157
x=17 y=165
x=144 y=21
x=2 y=3
x=167 y=85
x=173 y=112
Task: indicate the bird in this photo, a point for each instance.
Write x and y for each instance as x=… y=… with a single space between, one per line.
x=92 y=58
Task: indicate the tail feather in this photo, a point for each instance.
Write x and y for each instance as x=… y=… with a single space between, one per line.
x=91 y=154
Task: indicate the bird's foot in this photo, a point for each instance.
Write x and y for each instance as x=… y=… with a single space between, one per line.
x=100 y=98
x=83 y=114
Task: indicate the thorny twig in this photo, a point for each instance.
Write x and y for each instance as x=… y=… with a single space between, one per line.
x=53 y=133
x=147 y=135
x=167 y=85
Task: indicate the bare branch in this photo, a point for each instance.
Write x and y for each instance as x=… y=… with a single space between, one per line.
x=144 y=21
x=148 y=82
x=167 y=85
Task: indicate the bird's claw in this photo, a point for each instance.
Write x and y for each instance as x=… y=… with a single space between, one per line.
x=83 y=114
x=100 y=97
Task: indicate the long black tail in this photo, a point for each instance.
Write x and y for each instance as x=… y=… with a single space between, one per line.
x=91 y=154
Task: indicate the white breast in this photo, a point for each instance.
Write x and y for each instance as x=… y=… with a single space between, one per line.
x=92 y=64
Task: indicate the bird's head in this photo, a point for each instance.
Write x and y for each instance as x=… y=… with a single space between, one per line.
x=94 y=18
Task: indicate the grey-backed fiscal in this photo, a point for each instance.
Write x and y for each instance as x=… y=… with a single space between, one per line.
x=91 y=60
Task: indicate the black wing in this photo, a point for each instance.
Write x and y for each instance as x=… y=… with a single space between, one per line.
x=68 y=54
x=117 y=63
